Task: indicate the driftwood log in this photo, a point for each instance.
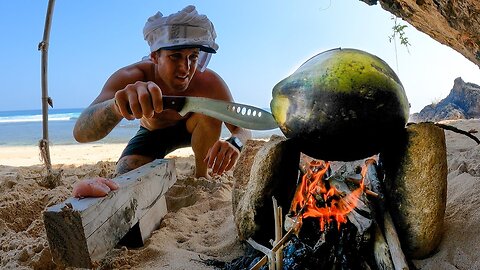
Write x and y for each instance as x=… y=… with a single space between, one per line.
x=81 y=231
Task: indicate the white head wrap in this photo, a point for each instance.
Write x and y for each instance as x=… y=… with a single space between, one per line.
x=185 y=28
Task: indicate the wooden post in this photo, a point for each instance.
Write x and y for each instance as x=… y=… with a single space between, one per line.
x=82 y=231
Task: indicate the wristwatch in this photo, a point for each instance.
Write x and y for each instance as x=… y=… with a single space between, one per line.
x=235 y=141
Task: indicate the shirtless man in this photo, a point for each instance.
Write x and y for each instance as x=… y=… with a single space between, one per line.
x=181 y=45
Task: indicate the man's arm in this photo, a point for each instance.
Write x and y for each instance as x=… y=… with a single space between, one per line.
x=96 y=121
x=241 y=133
x=223 y=155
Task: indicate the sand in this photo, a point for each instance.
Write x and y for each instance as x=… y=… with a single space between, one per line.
x=200 y=224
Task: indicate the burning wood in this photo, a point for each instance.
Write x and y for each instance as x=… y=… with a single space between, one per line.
x=331 y=198
x=339 y=215
x=329 y=225
x=396 y=259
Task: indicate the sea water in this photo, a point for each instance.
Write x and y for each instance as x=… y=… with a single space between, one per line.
x=25 y=127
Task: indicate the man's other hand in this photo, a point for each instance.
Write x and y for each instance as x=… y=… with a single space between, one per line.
x=95 y=187
x=221 y=157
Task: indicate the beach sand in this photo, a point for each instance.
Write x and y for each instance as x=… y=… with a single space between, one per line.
x=199 y=225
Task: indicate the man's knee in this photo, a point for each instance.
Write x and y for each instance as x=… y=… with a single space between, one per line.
x=131 y=162
x=204 y=124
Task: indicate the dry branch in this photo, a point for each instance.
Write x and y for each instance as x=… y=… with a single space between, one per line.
x=457 y=130
x=277 y=246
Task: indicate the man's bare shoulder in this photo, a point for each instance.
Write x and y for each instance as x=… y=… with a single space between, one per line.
x=140 y=69
x=209 y=84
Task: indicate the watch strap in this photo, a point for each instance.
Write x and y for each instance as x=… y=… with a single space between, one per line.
x=235 y=142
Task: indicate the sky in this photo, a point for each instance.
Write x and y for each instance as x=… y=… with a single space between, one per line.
x=261 y=42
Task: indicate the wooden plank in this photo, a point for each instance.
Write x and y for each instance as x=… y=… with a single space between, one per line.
x=82 y=231
x=150 y=220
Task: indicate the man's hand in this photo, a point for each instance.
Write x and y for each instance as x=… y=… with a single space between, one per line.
x=138 y=100
x=95 y=187
x=221 y=157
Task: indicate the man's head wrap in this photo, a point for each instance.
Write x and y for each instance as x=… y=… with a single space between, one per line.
x=184 y=29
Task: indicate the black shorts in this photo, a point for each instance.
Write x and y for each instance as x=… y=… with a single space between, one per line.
x=158 y=143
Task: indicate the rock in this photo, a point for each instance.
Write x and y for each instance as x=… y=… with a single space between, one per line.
x=435 y=113
x=274 y=173
x=416 y=188
x=241 y=172
x=463 y=102
x=453 y=23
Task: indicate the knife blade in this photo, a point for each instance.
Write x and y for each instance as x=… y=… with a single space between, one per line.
x=237 y=114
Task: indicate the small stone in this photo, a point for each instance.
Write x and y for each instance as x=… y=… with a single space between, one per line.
x=462 y=168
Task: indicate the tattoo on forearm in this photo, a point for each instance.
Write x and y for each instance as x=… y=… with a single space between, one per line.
x=128 y=163
x=122 y=167
x=97 y=121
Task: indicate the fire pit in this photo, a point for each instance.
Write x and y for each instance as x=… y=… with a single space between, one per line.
x=338 y=215
x=360 y=187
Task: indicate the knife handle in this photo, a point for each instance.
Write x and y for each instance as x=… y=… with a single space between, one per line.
x=173 y=102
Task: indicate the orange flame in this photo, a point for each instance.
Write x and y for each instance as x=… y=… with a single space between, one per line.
x=314 y=199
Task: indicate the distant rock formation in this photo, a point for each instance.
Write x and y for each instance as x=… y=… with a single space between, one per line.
x=463 y=102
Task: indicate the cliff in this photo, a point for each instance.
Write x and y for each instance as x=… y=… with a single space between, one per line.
x=455 y=23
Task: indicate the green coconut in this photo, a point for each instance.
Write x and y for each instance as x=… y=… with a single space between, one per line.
x=342 y=104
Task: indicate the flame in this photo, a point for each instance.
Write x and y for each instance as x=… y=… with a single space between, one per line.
x=316 y=198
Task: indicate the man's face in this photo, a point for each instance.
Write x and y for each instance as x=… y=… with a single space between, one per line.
x=177 y=67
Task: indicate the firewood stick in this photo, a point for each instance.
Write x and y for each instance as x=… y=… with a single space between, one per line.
x=277 y=215
x=371 y=193
x=278 y=236
x=260 y=263
x=380 y=251
x=372 y=178
x=270 y=254
x=278 y=229
x=398 y=258
x=366 y=190
x=276 y=247
x=353 y=180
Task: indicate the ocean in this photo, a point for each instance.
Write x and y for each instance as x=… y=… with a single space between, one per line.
x=24 y=127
